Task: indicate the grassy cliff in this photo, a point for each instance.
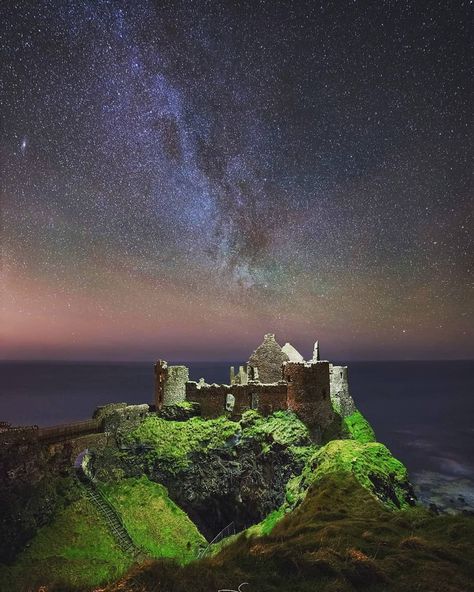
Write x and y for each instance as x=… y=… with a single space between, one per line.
x=332 y=528
x=340 y=539
x=156 y=524
x=77 y=551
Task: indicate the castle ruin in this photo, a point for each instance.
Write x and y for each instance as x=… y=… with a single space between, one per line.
x=274 y=378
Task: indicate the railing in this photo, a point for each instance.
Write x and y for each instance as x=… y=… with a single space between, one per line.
x=225 y=532
x=112 y=518
x=90 y=426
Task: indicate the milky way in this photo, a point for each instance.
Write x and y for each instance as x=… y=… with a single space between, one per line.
x=180 y=177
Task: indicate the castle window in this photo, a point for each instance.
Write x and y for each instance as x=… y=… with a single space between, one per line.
x=341 y=374
x=288 y=378
x=254 y=401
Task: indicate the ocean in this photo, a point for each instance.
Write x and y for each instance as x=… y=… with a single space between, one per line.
x=423 y=411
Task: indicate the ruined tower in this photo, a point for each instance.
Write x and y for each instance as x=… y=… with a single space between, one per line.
x=340 y=396
x=170 y=384
x=308 y=393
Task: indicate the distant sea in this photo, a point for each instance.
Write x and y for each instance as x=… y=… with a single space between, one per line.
x=423 y=411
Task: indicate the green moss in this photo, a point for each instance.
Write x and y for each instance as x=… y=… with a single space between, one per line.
x=155 y=523
x=267 y=525
x=263 y=528
x=371 y=464
x=173 y=441
x=282 y=427
x=185 y=405
x=76 y=550
x=358 y=428
x=302 y=454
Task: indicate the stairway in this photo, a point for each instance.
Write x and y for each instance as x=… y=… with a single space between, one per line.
x=107 y=511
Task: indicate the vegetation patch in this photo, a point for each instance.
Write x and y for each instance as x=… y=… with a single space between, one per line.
x=358 y=428
x=340 y=538
x=75 y=551
x=173 y=441
x=372 y=465
x=283 y=427
x=155 y=523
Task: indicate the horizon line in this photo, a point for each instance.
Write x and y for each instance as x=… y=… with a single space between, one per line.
x=208 y=361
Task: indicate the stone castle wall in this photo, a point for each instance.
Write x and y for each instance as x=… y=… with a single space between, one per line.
x=126 y=417
x=340 y=395
x=170 y=384
x=214 y=398
x=309 y=392
x=175 y=387
x=268 y=359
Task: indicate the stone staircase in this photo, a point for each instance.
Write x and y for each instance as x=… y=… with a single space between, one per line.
x=107 y=511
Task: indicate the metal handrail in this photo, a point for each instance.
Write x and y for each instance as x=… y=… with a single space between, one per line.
x=226 y=531
x=85 y=480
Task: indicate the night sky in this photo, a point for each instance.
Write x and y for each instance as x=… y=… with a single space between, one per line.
x=179 y=178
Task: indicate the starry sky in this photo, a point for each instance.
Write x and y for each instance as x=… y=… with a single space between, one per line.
x=178 y=178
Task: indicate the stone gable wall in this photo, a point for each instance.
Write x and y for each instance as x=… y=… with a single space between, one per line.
x=268 y=359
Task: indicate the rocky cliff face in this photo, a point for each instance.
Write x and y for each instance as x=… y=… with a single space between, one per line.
x=221 y=471
x=35 y=481
x=253 y=472
x=228 y=472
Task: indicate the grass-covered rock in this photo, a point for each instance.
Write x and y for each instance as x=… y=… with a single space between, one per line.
x=371 y=464
x=75 y=551
x=219 y=471
x=283 y=427
x=173 y=441
x=340 y=539
x=78 y=551
x=156 y=524
x=358 y=428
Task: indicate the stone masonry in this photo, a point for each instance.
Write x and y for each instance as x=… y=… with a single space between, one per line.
x=268 y=359
x=275 y=379
x=170 y=384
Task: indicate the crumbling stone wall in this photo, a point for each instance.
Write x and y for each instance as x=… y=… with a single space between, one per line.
x=161 y=372
x=268 y=359
x=241 y=377
x=121 y=416
x=309 y=394
x=340 y=396
x=175 y=385
x=170 y=384
x=265 y=398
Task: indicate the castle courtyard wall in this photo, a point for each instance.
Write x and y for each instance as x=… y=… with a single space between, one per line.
x=213 y=398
